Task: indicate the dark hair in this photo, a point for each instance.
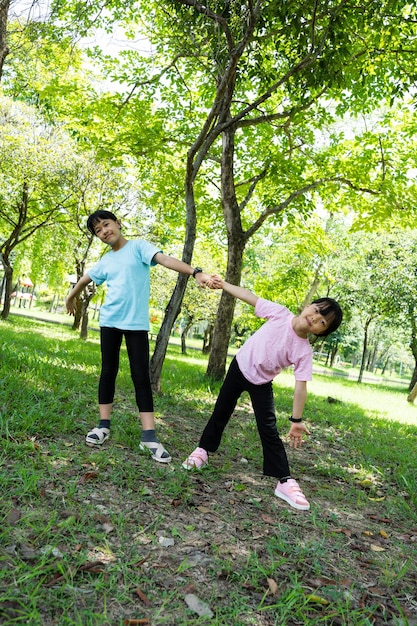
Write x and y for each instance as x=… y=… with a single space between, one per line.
x=331 y=311
x=97 y=216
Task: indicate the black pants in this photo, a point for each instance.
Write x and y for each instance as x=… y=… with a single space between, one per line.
x=137 y=344
x=275 y=462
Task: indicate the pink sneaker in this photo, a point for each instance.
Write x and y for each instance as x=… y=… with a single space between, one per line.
x=291 y=493
x=197 y=459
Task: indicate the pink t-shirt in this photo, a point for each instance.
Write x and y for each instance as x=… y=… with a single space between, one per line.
x=273 y=346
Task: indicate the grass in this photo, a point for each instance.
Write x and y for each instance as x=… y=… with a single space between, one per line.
x=107 y=537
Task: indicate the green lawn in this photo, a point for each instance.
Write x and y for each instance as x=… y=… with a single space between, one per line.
x=107 y=537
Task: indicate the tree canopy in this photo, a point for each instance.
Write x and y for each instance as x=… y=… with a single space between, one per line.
x=236 y=119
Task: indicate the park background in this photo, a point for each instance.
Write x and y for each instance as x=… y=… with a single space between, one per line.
x=273 y=143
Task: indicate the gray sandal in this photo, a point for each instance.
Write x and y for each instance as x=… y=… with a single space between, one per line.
x=157 y=450
x=97 y=437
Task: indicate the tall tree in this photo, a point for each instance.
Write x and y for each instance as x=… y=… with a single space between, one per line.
x=272 y=65
x=247 y=86
x=35 y=167
x=377 y=273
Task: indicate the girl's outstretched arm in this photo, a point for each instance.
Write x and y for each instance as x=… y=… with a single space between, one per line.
x=183 y=268
x=77 y=289
x=237 y=292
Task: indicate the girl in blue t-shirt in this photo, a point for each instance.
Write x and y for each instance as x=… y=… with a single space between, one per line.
x=125 y=268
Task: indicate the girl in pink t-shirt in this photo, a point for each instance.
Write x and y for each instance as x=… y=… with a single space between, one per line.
x=280 y=342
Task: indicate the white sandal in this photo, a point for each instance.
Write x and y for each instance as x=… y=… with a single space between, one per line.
x=97 y=437
x=157 y=450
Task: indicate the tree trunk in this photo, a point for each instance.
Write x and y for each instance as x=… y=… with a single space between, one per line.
x=9 y=245
x=374 y=357
x=334 y=350
x=412 y=395
x=364 y=350
x=236 y=244
x=413 y=348
x=8 y=282
x=207 y=339
x=384 y=367
x=84 y=320
x=187 y=327
x=87 y=296
x=4 y=49
x=174 y=305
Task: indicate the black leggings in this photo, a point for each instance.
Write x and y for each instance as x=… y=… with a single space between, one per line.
x=275 y=461
x=137 y=344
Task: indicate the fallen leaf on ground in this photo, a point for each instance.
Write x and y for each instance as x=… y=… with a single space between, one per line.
x=204 y=509
x=143 y=597
x=345 y=531
x=273 y=587
x=88 y=476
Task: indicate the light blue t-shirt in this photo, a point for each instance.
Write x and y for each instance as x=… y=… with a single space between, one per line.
x=126 y=272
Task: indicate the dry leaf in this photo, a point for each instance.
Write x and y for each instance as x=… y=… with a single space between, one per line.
x=204 y=509
x=131 y=622
x=376 y=548
x=273 y=587
x=268 y=519
x=345 y=531
x=143 y=597
x=383 y=534
x=87 y=476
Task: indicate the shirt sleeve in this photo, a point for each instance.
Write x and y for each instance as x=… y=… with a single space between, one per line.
x=96 y=273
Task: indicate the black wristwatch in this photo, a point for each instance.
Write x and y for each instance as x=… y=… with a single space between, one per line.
x=295 y=420
x=197 y=271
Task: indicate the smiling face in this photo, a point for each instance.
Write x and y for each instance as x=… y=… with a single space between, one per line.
x=109 y=231
x=310 y=321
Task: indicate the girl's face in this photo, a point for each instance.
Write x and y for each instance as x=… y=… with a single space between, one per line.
x=108 y=231
x=312 y=321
